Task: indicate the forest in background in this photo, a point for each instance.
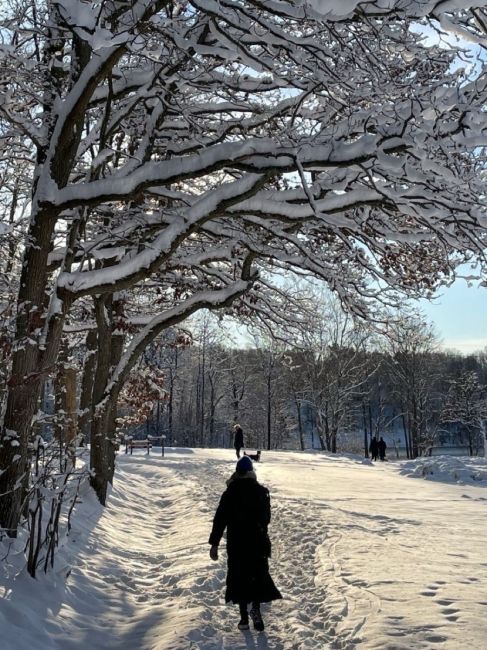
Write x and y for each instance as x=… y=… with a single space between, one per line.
x=334 y=390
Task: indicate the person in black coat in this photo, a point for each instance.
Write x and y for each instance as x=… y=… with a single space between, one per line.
x=245 y=511
x=238 y=441
x=374 y=448
x=382 y=446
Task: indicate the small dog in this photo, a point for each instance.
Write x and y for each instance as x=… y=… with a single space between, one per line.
x=255 y=456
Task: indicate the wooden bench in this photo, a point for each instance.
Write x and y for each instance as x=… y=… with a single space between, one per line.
x=137 y=444
x=132 y=444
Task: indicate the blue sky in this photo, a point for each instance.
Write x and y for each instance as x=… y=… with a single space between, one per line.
x=460 y=316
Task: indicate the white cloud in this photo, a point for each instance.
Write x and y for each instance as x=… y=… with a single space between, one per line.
x=465 y=346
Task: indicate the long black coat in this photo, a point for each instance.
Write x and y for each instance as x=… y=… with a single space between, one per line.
x=245 y=512
x=374 y=447
x=238 y=441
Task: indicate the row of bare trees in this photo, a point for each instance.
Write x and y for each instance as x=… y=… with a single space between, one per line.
x=336 y=388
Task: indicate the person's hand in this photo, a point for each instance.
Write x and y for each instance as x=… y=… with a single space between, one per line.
x=214 y=553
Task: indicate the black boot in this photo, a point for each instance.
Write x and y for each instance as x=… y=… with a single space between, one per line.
x=256 y=617
x=244 y=617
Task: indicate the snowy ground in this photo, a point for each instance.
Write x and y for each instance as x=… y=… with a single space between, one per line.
x=364 y=556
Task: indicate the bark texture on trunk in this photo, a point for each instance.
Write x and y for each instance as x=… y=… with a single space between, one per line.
x=99 y=448
x=26 y=377
x=103 y=426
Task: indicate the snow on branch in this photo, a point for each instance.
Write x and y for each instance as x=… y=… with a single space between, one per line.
x=130 y=270
x=254 y=155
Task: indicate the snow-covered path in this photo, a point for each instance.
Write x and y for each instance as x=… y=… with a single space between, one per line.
x=363 y=556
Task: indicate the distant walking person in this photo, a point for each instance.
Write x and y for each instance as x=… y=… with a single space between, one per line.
x=238 y=441
x=382 y=448
x=374 y=448
x=245 y=511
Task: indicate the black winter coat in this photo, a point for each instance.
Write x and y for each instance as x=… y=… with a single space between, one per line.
x=374 y=447
x=382 y=446
x=238 y=442
x=245 y=512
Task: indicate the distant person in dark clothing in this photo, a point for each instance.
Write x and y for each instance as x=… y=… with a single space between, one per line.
x=238 y=441
x=382 y=448
x=374 y=448
x=245 y=511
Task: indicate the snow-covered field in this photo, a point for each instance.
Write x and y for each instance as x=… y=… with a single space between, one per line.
x=365 y=558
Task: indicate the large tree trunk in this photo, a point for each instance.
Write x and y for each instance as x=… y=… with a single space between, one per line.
x=99 y=455
x=117 y=342
x=26 y=377
x=103 y=428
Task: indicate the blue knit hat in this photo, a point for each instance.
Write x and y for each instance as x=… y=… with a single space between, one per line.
x=244 y=465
